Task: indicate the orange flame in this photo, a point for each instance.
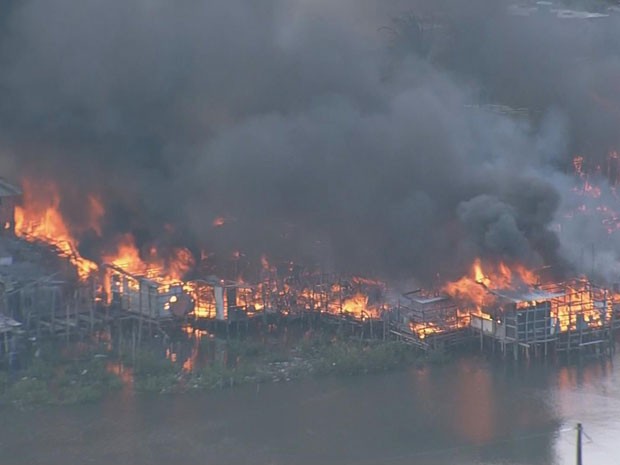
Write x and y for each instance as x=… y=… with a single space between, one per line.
x=472 y=289
x=39 y=219
x=127 y=256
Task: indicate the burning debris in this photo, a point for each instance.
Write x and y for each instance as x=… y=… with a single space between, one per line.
x=506 y=302
x=141 y=282
x=512 y=305
x=173 y=199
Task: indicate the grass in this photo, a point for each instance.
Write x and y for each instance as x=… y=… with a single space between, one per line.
x=353 y=357
x=219 y=376
x=59 y=382
x=54 y=379
x=154 y=373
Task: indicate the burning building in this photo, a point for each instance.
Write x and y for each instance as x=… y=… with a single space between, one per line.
x=517 y=317
x=429 y=320
x=223 y=300
x=144 y=297
x=514 y=309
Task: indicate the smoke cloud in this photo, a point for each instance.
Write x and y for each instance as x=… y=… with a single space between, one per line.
x=316 y=134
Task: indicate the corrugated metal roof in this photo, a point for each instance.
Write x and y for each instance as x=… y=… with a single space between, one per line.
x=7 y=189
x=525 y=295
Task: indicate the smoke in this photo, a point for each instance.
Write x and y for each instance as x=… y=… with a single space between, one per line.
x=318 y=136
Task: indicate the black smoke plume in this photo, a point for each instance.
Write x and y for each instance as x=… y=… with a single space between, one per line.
x=327 y=133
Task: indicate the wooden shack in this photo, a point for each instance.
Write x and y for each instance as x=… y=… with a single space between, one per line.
x=563 y=317
x=518 y=317
x=429 y=321
x=144 y=297
x=222 y=300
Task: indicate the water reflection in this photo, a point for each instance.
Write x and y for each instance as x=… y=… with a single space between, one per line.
x=482 y=410
x=468 y=412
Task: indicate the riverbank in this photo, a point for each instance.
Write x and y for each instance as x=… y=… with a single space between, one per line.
x=61 y=376
x=469 y=410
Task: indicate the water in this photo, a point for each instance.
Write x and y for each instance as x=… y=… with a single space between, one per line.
x=468 y=412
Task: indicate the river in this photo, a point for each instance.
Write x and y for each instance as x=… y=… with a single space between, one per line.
x=470 y=411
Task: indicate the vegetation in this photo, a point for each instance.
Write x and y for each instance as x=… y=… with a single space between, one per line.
x=154 y=373
x=355 y=357
x=61 y=382
x=61 y=379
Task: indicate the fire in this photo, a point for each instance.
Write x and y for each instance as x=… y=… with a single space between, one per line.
x=593 y=186
x=39 y=219
x=472 y=289
x=576 y=305
x=578 y=165
x=581 y=306
x=266 y=267
x=181 y=263
x=356 y=305
x=423 y=330
x=127 y=256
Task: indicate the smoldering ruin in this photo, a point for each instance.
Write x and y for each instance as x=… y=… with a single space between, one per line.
x=250 y=149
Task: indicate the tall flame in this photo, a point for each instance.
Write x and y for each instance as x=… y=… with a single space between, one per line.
x=127 y=256
x=472 y=288
x=39 y=219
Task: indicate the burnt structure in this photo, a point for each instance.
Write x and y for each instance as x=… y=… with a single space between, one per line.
x=39 y=290
x=430 y=322
x=145 y=297
x=567 y=317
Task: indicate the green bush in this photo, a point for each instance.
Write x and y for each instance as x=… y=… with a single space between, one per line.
x=29 y=391
x=218 y=376
x=149 y=363
x=40 y=369
x=65 y=382
x=162 y=383
x=153 y=373
x=245 y=348
x=79 y=393
x=353 y=357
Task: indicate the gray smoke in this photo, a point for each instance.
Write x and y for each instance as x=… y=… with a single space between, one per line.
x=319 y=136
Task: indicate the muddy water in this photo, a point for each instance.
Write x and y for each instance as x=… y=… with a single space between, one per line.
x=468 y=412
